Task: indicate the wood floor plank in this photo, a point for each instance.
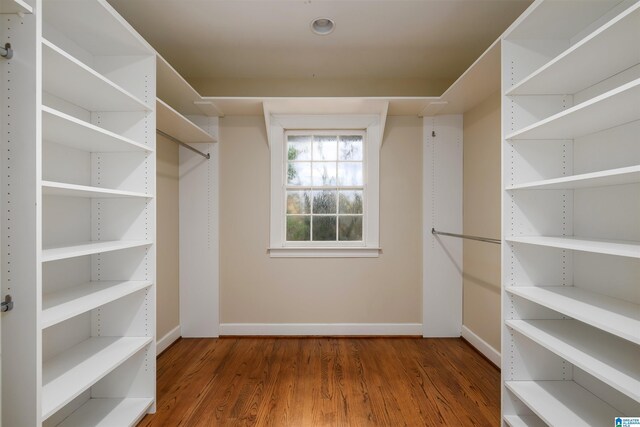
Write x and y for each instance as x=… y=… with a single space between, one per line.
x=301 y=382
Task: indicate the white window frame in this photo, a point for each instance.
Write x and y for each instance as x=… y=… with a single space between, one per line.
x=371 y=127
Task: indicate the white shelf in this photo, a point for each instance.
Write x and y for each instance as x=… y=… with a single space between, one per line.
x=95 y=26
x=175 y=124
x=69 y=79
x=612 y=315
x=173 y=89
x=70 y=373
x=557 y=20
x=621 y=176
x=563 y=403
x=588 y=117
x=109 y=413
x=50 y=188
x=67 y=130
x=623 y=248
x=475 y=85
x=65 y=304
x=524 y=421
x=602 y=355
x=614 y=41
x=15 y=6
x=90 y=248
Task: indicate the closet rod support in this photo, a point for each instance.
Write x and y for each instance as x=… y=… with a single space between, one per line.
x=464 y=236
x=7 y=304
x=6 y=51
x=185 y=145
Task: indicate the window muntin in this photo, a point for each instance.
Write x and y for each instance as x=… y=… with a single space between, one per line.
x=324 y=190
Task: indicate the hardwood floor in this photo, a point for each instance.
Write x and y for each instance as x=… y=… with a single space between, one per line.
x=303 y=382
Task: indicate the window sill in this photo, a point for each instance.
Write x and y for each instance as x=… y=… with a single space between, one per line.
x=292 y=252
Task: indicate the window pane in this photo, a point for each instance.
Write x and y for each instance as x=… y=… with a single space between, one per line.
x=299 y=147
x=299 y=174
x=324 y=202
x=350 y=202
x=350 y=147
x=324 y=227
x=350 y=173
x=325 y=148
x=324 y=173
x=350 y=227
x=298 y=202
x=298 y=228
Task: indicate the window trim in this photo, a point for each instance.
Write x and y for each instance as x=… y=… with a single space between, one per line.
x=371 y=126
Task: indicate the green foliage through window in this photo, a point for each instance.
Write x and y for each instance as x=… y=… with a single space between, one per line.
x=325 y=187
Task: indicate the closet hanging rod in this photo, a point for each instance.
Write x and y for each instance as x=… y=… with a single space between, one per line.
x=185 y=145
x=6 y=51
x=464 y=236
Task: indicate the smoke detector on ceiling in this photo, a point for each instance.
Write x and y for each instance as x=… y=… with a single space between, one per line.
x=322 y=26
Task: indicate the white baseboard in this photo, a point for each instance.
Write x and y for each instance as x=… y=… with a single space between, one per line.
x=321 y=329
x=482 y=346
x=167 y=340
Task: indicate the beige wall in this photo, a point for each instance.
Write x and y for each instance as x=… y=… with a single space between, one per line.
x=481 y=311
x=320 y=87
x=255 y=288
x=167 y=291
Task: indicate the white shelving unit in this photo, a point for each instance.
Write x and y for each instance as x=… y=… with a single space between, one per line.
x=109 y=412
x=615 y=316
x=181 y=111
x=15 y=6
x=610 y=359
x=563 y=403
x=81 y=193
x=587 y=117
x=600 y=246
x=571 y=214
x=524 y=421
x=559 y=75
x=67 y=130
x=175 y=91
x=620 y=176
x=177 y=125
x=90 y=248
x=50 y=188
x=67 y=375
x=70 y=302
x=66 y=77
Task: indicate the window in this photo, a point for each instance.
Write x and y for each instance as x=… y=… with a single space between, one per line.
x=324 y=185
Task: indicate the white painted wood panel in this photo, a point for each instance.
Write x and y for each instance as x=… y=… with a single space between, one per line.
x=563 y=403
x=109 y=413
x=70 y=302
x=442 y=210
x=70 y=373
x=199 y=239
x=615 y=316
x=602 y=355
x=67 y=130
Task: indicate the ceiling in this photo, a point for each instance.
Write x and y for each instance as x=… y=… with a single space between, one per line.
x=269 y=39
